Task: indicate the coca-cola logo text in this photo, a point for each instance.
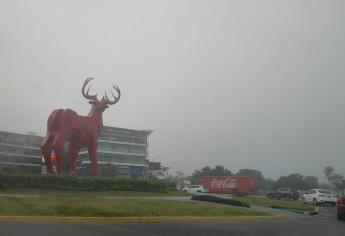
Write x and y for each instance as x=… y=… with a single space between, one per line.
x=227 y=183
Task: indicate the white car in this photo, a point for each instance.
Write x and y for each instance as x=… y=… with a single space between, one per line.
x=195 y=189
x=319 y=197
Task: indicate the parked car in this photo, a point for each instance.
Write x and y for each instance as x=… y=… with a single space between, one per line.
x=284 y=193
x=341 y=208
x=319 y=197
x=195 y=189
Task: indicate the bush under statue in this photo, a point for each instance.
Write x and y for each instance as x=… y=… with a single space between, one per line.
x=80 y=131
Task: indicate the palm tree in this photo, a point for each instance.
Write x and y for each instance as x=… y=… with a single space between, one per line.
x=336 y=180
x=329 y=172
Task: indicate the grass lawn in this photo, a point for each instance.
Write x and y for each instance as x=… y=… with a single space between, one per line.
x=266 y=202
x=89 y=203
x=86 y=206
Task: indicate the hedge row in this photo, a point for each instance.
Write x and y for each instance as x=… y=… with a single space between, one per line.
x=216 y=199
x=83 y=183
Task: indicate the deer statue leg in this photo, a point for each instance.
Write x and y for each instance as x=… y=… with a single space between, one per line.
x=93 y=158
x=59 y=159
x=58 y=146
x=73 y=154
x=46 y=151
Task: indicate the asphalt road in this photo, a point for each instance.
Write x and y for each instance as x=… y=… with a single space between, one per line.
x=324 y=224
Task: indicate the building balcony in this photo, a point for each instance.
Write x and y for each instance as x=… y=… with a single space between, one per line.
x=115 y=163
x=119 y=142
x=115 y=153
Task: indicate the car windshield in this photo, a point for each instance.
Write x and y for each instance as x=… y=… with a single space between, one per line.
x=115 y=114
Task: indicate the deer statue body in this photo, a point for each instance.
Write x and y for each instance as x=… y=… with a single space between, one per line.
x=80 y=131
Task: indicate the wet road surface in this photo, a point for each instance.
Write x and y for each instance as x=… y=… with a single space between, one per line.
x=325 y=223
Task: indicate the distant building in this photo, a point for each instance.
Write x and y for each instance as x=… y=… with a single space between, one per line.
x=20 y=153
x=126 y=149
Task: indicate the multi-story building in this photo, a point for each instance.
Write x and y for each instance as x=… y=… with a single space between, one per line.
x=126 y=149
x=20 y=153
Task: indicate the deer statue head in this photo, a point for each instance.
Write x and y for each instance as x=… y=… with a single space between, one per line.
x=100 y=105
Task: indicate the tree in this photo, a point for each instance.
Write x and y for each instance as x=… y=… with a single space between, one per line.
x=179 y=174
x=220 y=170
x=324 y=186
x=340 y=186
x=269 y=184
x=329 y=171
x=179 y=178
x=291 y=181
x=336 y=181
x=249 y=172
x=282 y=182
x=311 y=182
x=208 y=171
x=296 y=181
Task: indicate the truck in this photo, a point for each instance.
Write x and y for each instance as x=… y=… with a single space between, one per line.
x=237 y=185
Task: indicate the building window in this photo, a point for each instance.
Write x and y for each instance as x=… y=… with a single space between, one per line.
x=122 y=148
x=105 y=147
x=137 y=150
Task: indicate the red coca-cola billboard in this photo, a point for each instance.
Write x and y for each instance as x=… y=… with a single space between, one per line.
x=229 y=184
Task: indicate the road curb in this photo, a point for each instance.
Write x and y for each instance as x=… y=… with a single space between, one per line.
x=154 y=219
x=314 y=212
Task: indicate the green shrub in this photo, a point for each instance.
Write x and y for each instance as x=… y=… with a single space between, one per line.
x=83 y=183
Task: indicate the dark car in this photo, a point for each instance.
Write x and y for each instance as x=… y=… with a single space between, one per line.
x=284 y=193
x=341 y=208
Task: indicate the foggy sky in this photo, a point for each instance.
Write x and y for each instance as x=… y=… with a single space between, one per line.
x=243 y=84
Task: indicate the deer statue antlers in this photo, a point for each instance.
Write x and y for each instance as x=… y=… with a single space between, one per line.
x=105 y=97
x=86 y=95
